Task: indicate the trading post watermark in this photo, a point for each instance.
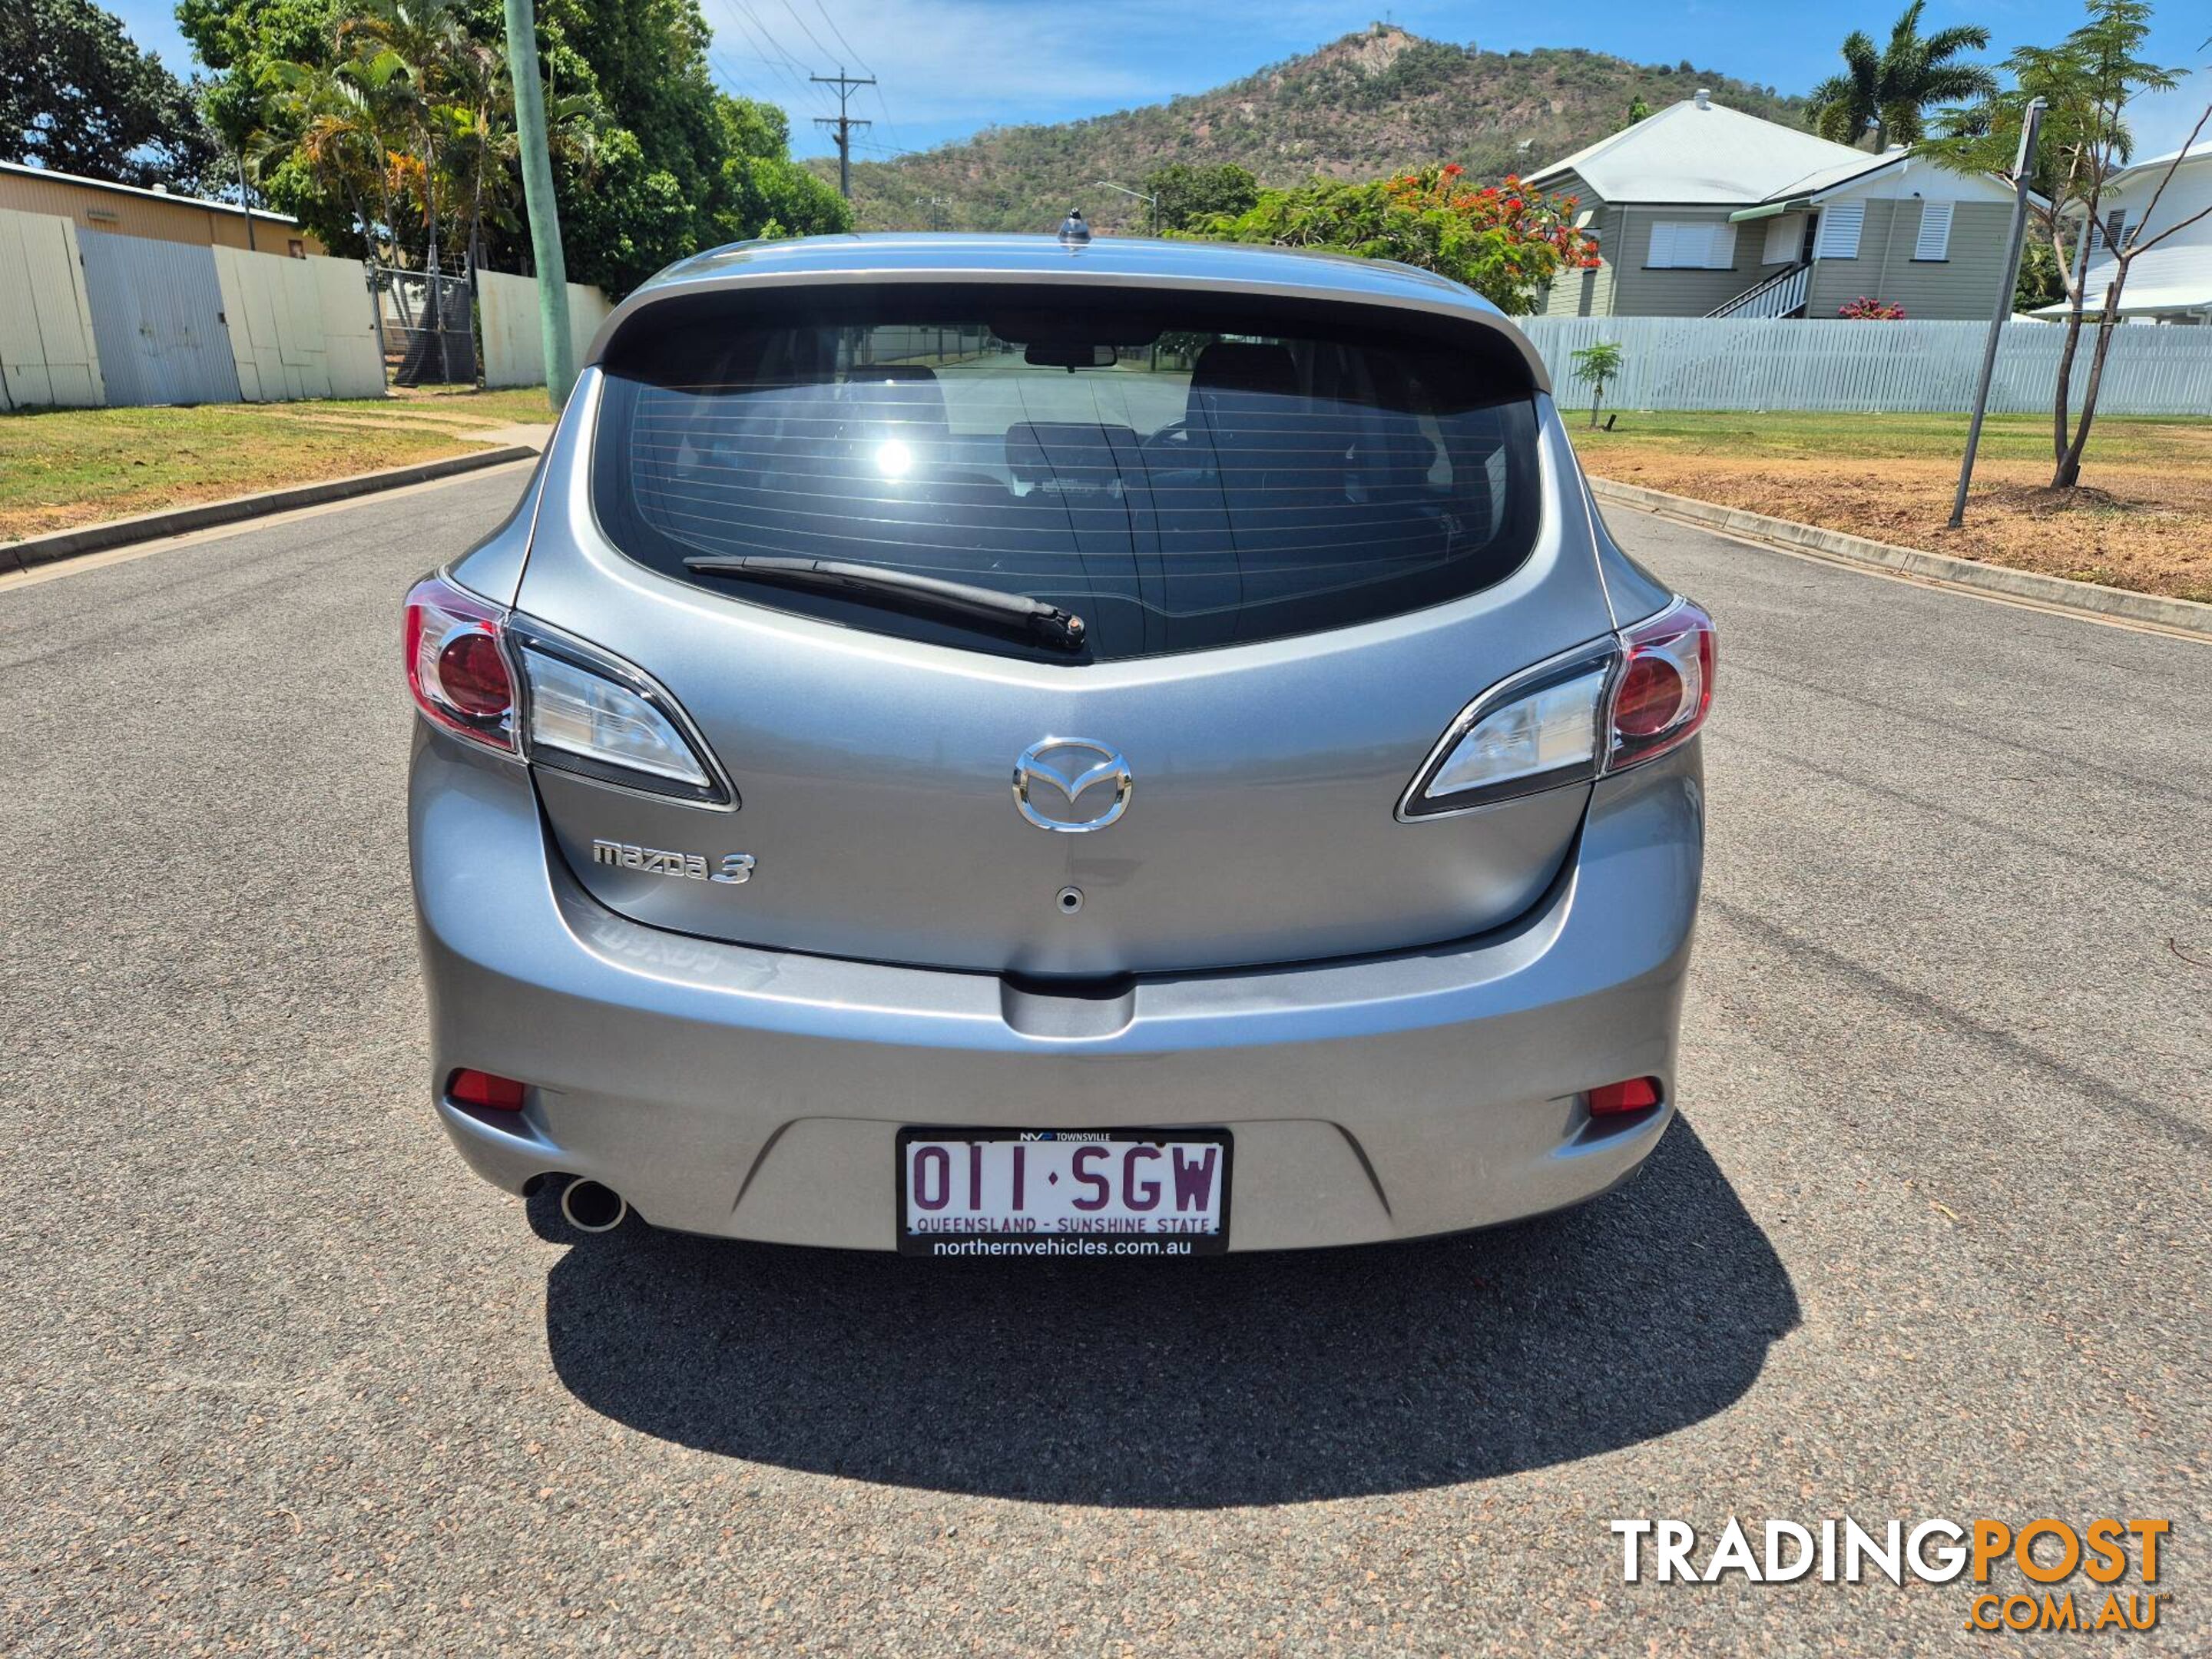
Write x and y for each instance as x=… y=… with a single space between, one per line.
x=2022 y=1573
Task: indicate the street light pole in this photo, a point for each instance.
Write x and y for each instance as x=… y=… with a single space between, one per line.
x=1150 y=202
x=2031 y=124
x=537 y=198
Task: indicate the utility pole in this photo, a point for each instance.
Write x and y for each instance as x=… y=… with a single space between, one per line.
x=2031 y=124
x=245 y=201
x=843 y=122
x=537 y=197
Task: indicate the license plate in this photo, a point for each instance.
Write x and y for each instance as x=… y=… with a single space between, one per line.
x=1053 y=1193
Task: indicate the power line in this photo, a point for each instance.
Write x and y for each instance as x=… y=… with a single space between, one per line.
x=779 y=58
x=842 y=40
x=842 y=122
x=807 y=32
x=719 y=60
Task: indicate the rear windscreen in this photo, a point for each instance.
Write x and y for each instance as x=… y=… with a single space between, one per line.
x=1177 y=475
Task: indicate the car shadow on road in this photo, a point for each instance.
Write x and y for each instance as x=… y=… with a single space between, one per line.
x=1258 y=1379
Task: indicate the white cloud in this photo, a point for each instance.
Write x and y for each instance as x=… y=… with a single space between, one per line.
x=2161 y=121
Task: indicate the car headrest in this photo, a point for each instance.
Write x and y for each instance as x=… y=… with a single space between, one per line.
x=1236 y=382
x=1245 y=366
x=1072 y=454
x=905 y=392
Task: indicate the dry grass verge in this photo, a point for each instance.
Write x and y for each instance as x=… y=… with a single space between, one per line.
x=2143 y=521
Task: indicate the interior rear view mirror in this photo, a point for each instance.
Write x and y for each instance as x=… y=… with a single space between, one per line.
x=1069 y=354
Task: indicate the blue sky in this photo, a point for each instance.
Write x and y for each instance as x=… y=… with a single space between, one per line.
x=949 y=67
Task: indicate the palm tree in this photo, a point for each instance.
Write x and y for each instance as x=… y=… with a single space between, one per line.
x=483 y=134
x=333 y=131
x=405 y=49
x=1884 y=92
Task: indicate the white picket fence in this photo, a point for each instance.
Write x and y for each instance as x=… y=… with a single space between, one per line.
x=1701 y=362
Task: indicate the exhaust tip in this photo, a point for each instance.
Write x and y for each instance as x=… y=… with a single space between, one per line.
x=592 y=1208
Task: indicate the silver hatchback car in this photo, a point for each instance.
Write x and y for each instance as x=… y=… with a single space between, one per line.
x=987 y=746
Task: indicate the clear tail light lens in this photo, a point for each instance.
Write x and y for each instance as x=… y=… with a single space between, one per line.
x=1666 y=687
x=604 y=720
x=1536 y=731
x=1602 y=707
x=575 y=707
x=456 y=666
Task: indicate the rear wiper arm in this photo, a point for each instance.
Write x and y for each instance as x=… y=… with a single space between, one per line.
x=902 y=589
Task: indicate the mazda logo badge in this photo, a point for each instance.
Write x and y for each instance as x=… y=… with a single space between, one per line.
x=1074 y=766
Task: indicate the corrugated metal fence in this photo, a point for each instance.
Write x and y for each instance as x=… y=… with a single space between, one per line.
x=47 y=353
x=299 y=328
x=89 y=318
x=1698 y=363
x=157 y=313
x=514 y=346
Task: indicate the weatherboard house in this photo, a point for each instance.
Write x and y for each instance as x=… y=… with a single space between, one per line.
x=2170 y=279
x=1703 y=211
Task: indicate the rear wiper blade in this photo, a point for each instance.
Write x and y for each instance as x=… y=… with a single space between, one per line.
x=902 y=589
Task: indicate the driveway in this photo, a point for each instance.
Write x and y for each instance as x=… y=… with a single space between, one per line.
x=1930 y=1239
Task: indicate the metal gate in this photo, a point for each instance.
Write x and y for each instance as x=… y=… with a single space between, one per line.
x=428 y=336
x=157 y=318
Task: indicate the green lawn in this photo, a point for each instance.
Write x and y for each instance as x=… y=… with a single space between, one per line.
x=517 y=404
x=61 y=468
x=2115 y=440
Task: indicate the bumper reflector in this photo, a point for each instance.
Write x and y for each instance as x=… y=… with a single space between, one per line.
x=1633 y=1096
x=482 y=1088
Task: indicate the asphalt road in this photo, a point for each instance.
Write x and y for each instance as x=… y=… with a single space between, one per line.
x=276 y=1374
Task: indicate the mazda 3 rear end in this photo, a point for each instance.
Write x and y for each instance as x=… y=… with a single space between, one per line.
x=978 y=745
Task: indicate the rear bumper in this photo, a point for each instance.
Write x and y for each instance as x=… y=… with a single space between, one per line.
x=757 y=1094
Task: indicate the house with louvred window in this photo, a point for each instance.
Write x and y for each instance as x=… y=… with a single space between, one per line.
x=2157 y=203
x=1700 y=211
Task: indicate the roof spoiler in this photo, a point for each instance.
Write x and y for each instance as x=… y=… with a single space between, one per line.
x=1481 y=322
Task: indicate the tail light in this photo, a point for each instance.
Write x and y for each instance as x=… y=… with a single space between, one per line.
x=457 y=663
x=1596 y=709
x=513 y=686
x=1666 y=686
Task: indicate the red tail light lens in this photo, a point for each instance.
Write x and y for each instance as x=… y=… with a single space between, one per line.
x=1650 y=696
x=474 y=676
x=457 y=663
x=1665 y=689
x=1636 y=1095
x=485 y=1090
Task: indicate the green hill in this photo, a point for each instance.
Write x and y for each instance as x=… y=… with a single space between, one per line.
x=1357 y=108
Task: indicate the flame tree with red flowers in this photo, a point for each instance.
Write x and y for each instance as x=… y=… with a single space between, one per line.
x=1503 y=240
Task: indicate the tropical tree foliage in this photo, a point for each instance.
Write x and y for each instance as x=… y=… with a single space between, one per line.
x=1596 y=366
x=1503 y=240
x=1885 y=92
x=77 y=96
x=2086 y=82
x=388 y=127
x=1187 y=193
